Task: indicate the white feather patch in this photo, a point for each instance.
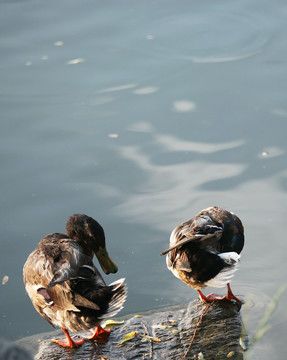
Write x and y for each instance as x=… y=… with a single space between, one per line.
x=172 y=238
x=230 y=257
x=225 y=275
x=117 y=283
x=167 y=262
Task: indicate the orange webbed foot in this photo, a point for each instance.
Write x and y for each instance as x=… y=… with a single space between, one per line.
x=69 y=342
x=208 y=298
x=229 y=296
x=99 y=334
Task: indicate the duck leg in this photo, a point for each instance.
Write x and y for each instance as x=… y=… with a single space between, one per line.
x=99 y=334
x=68 y=342
x=230 y=295
x=209 y=298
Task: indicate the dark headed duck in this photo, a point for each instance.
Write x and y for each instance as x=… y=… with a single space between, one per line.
x=204 y=251
x=64 y=285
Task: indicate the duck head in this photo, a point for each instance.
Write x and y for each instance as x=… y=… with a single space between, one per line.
x=90 y=235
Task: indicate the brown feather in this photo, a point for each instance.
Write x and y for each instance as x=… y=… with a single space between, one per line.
x=81 y=301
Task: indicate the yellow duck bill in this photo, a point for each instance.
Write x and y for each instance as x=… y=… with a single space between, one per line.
x=106 y=262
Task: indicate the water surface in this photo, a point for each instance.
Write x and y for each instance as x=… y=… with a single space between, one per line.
x=141 y=114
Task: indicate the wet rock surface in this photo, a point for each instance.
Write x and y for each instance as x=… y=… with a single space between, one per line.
x=162 y=334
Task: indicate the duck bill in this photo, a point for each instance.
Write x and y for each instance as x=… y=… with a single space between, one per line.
x=105 y=261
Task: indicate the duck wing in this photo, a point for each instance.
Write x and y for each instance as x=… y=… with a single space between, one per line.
x=75 y=273
x=201 y=230
x=70 y=263
x=55 y=263
x=70 y=266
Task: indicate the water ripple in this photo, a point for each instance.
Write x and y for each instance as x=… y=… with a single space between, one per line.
x=205 y=37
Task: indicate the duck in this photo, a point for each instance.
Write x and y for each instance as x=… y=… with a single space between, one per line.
x=64 y=285
x=205 y=251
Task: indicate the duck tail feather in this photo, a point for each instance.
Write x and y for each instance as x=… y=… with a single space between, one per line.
x=119 y=295
x=231 y=260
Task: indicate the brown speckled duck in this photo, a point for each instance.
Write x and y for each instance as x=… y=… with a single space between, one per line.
x=64 y=285
x=204 y=251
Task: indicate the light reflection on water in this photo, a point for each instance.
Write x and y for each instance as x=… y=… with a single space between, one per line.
x=151 y=128
x=170 y=188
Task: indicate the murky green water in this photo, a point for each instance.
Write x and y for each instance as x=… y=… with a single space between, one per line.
x=140 y=114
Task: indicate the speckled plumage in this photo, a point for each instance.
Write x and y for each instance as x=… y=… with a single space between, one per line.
x=64 y=285
x=204 y=251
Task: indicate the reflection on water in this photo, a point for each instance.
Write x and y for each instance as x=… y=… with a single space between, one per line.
x=172 y=143
x=149 y=123
x=171 y=182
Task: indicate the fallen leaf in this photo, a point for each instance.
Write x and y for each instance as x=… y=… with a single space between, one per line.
x=112 y=323
x=150 y=338
x=160 y=326
x=138 y=316
x=128 y=337
x=242 y=344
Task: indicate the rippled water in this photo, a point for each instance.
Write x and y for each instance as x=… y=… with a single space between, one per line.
x=141 y=114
